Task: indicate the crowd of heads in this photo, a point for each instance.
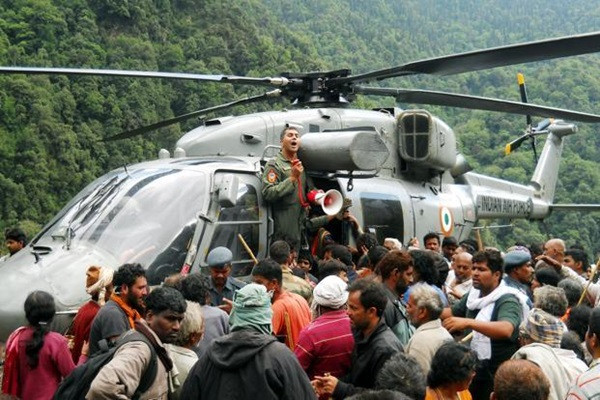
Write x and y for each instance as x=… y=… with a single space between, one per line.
x=174 y=311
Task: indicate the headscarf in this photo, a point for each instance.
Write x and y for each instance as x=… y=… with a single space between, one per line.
x=251 y=309
x=97 y=279
x=330 y=292
x=542 y=327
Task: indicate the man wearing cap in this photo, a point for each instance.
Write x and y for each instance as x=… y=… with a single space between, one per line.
x=519 y=272
x=325 y=345
x=249 y=363
x=375 y=343
x=541 y=334
x=98 y=284
x=222 y=285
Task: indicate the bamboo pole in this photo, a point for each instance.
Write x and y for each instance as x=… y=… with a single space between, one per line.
x=241 y=238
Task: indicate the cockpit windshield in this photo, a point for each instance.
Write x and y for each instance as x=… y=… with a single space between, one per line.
x=146 y=216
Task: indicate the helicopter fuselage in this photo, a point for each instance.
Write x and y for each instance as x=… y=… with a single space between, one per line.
x=172 y=211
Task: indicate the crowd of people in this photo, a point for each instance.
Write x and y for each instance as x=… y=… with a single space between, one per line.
x=322 y=319
x=411 y=323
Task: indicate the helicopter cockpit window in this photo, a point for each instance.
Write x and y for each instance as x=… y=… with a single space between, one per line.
x=242 y=218
x=144 y=216
x=382 y=214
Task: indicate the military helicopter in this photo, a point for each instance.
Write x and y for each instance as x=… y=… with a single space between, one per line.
x=400 y=167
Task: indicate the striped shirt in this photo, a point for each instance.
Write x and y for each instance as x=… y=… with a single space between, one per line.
x=325 y=345
x=587 y=385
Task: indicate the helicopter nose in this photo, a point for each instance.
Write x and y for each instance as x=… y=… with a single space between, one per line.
x=20 y=276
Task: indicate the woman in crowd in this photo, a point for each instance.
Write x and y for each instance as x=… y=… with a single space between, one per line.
x=451 y=373
x=36 y=359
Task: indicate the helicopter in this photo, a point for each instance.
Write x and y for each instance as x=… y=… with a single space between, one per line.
x=400 y=167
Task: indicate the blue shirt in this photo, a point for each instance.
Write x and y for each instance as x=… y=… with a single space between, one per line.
x=231 y=285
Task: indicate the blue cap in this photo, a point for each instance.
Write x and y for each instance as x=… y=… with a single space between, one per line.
x=514 y=259
x=219 y=257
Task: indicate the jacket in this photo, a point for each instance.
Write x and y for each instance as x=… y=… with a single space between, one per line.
x=249 y=365
x=120 y=378
x=368 y=357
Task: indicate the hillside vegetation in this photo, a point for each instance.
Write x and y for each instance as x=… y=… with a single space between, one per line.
x=50 y=127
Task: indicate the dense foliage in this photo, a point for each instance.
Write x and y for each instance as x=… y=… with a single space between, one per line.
x=50 y=127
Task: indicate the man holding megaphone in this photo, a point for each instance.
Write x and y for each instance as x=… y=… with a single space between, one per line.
x=290 y=193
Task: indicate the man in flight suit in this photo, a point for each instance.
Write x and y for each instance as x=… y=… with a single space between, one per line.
x=285 y=186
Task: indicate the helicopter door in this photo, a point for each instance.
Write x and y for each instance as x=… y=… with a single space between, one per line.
x=243 y=216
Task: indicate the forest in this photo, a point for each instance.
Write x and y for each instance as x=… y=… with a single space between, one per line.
x=51 y=127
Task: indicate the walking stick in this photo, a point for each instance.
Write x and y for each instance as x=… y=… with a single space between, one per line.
x=594 y=269
x=248 y=250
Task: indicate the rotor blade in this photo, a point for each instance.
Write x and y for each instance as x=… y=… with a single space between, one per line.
x=487 y=58
x=575 y=207
x=523 y=92
x=279 y=81
x=515 y=144
x=180 y=118
x=476 y=103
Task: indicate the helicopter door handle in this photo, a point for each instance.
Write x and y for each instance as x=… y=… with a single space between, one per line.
x=250 y=138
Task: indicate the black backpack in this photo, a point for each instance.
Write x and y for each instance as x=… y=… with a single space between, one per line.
x=77 y=384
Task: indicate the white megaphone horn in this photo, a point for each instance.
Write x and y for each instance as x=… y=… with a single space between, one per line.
x=331 y=201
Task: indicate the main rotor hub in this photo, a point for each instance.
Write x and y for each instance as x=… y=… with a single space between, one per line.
x=311 y=89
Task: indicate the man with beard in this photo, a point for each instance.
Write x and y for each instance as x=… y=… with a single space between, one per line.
x=375 y=343
x=396 y=269
x=121 y=377
x=125 y=306
x=285 y=186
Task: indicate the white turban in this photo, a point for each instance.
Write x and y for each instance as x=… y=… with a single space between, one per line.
x=330 y=292
x=97 y=279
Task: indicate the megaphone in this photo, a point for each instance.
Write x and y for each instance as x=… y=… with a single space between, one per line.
x=331 y=201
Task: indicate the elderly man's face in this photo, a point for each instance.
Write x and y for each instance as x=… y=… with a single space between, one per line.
x=462 y=266
x=417 y=315
x=554 y=250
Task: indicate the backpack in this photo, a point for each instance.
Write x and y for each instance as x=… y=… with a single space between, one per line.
x=77 y=384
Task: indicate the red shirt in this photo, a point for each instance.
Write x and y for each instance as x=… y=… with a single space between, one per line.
x=296 y=308
x=82 y=325
x=326 y=345
x=54 y=364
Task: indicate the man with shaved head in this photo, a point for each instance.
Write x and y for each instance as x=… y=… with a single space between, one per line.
x=554 y=249
x=554 y=252
x=459 y=279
